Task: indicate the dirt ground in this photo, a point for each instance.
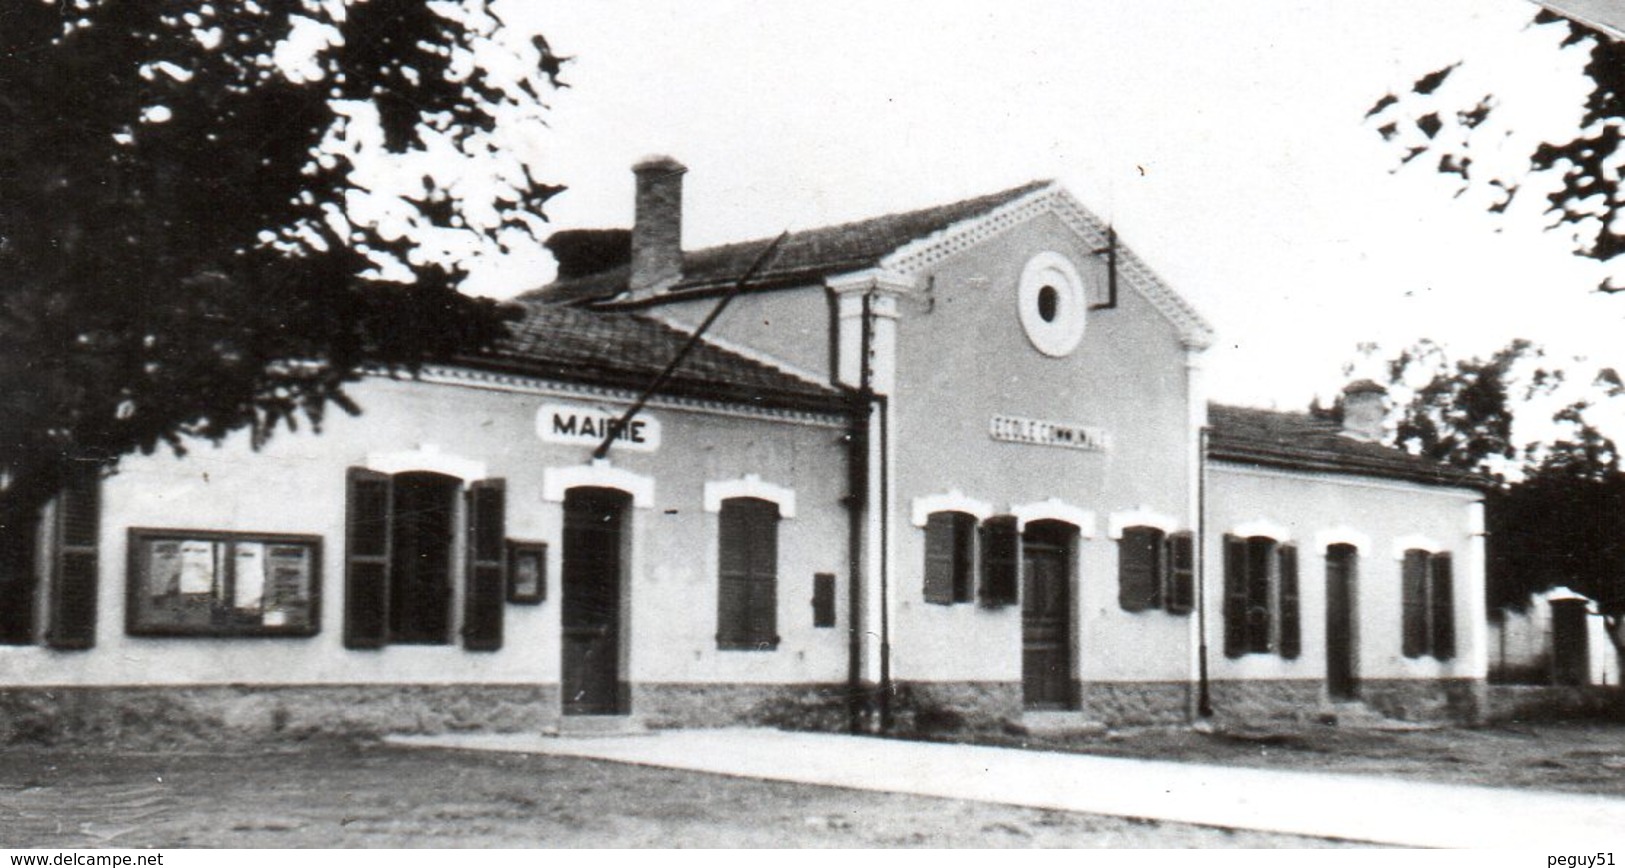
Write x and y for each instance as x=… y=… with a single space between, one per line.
x=369 y=795
x=342 y=794
x=1567 y=757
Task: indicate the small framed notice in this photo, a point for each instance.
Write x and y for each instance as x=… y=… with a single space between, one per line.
x=527 y=572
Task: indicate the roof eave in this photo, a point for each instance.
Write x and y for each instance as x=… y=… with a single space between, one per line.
x=825 y=401
x=1444 y=477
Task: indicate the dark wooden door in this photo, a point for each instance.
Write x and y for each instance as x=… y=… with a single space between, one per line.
x=1046 y=617
x=17 y=580
x=594 y=552
x=1571 y=654
x=1342 y=678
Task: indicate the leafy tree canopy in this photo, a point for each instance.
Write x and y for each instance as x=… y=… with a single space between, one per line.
x=205 y=227
x=1443 y=120
x=1557 y=518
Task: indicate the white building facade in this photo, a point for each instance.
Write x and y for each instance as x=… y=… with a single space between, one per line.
x=951 y=467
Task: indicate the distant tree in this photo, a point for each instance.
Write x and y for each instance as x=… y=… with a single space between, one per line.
x=1461 y=412
x=1556 y=516
x=195 y=234
x=1588 y=197
x=1563 y=523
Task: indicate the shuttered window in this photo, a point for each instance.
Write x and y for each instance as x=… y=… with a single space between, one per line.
x=1140 y=560
x=399 y=554
x=1156 y=571
x=484 y=577
x=1261 y=605
x=748 y=575
x=75 y=561
x=1428 y=591
x=1001 y=561
x=950 y=552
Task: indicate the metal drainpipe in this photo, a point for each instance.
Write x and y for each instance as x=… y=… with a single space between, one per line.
x=883 y=407
x=1204 y=696
x=857 y=475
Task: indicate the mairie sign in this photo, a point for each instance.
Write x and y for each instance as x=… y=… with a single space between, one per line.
x=1067 y=435
x=588 y=426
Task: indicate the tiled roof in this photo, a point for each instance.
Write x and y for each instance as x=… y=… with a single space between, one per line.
x=1298 y=441
x=804 y=257
x=628 y=351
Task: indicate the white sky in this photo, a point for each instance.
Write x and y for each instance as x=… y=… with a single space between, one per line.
x=1225 y=140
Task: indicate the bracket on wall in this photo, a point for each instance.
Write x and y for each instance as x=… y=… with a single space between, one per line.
x=1110 y=252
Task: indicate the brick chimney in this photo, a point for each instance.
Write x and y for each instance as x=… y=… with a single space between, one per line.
x=1365 y=407
x=657 y=226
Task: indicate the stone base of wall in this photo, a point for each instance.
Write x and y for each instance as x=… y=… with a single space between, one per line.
x=1139 y=703
x=821 y=707
x=200 y=715
x=1264 y=701
x=1456 y=700
x=927 y=707
x=1508 y=703
x=1445 y=700
x=916 y=707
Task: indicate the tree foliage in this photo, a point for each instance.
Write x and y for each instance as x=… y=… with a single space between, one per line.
x=1552 y=530
x=1557 y=515
x=1587 y=198
x=1461 y=415
x=194 y=236
x=1462 y=411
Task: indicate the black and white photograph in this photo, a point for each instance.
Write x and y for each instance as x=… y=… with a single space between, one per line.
x=526 y=424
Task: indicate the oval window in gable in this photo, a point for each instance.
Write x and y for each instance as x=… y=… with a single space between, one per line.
x=1052 y=304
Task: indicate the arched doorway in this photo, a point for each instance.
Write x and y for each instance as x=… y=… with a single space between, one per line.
x=596 y=554
x=1342 y=650
x=1048 y=550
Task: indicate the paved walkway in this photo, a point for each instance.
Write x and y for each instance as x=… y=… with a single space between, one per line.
x=1353 y=807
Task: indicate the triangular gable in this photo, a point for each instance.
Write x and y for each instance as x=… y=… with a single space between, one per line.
x=915 y=257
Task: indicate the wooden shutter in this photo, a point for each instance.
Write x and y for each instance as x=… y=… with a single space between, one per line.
x=939 y=558
x=964 y=557
x=1001 y=561
x=1235 y=596
x=764 y=574
x=1443 y=620
x=368 y=517
x=823 y=599
x=75 y=561
x=1138 y=572
x=747 y=581
x=1291 y=631
x=485 y=579
x=1181 y=559
x=1414 y=629
x=733 y=576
